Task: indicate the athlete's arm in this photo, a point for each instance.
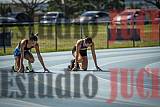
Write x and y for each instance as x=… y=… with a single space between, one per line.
x=40 y=57
x=22 y=45
x=77 y=54
x=94 y=55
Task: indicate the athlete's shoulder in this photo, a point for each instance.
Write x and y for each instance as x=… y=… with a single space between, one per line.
x=79 y=41
x=23 y=41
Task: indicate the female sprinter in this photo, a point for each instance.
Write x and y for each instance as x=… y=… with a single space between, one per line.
x=23 y=51
x=79 y=52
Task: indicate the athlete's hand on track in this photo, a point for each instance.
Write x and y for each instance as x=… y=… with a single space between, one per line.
x=46 y=70
x=98 y=69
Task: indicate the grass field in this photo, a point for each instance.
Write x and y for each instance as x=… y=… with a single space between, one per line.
x=65 y=36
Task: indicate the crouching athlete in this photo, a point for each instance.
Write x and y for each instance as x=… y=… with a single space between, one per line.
x=23 y=51
x=79 y=53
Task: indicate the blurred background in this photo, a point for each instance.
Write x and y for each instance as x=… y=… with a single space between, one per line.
x=60 y=23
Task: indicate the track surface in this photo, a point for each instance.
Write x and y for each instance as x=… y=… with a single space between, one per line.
x=135 y=58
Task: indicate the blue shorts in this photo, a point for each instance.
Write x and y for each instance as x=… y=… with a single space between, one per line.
x=17 y=52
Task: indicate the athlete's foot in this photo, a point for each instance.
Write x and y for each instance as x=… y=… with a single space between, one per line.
x=75 y=69
x=83 y=69
x=29 y=69
x=13 y=69
x=69 y=67
x=47 y=71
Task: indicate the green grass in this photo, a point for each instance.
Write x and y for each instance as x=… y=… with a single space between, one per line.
x=67 y=35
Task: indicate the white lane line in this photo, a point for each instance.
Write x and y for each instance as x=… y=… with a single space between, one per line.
x=30 y=104
x=111 y=62
x=10 y=104
x=126 y=60
x=121 y=101
x=59 y=54
x=59 y=58
x=129 y=59
x=65 y=64
x=150 y=66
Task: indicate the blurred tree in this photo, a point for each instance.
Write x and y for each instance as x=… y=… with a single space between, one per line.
x=5 y=9
x=30 y=6
x=117 y=4
x=69 y=7
x=76 y=7
x=95 y=4
x=154 y=2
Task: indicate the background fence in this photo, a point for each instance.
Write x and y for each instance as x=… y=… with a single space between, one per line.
x=60 y=37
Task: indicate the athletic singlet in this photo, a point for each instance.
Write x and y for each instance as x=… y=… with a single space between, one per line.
x=25 y=48
x=82 y=47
